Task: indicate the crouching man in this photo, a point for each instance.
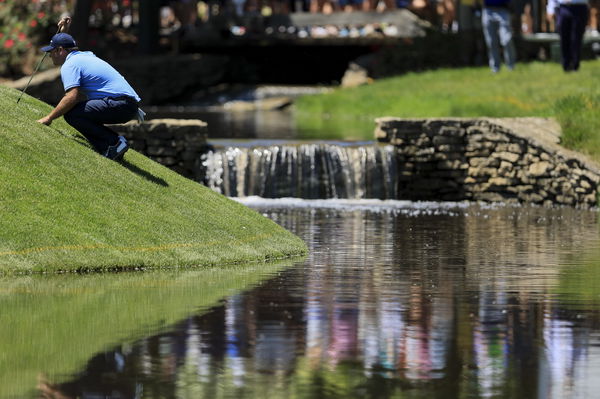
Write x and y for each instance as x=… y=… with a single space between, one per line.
x=95 y=95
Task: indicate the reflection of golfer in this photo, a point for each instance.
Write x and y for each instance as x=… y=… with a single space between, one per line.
x=95 y=94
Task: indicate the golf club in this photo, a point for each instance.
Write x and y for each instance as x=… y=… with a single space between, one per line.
x=67 y=22
x=31 y=77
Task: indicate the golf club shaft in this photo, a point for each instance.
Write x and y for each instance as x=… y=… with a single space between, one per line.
x=35 y=71
x=31 y=77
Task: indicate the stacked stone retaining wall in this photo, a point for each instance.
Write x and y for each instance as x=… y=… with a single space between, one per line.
x=508 y=160
x=174 y=143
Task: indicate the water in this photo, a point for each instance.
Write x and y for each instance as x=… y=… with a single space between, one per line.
x=396 y=299
x=264 y=112
x=320 y=169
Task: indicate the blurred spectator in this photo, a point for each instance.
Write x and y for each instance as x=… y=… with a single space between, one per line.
x=497 y=31
x=593 y=23
x=447 y=12
x=239 y=7
x=351 y=5
x=526 y=19
x=571 y=20
x=424 y=9
x=323 y=6
x=186 y=12
x=469 y=29
x=280 y=6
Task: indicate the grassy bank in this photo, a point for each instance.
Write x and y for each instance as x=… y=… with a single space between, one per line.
x=64 y=207
x=535 y=89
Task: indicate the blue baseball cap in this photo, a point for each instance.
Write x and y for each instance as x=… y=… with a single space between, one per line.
x=63 y=40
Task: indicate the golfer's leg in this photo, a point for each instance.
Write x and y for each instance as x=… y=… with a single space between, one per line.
x=109 y=111
x=84 y=117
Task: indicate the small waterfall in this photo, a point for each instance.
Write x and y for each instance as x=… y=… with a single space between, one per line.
x=311 y=171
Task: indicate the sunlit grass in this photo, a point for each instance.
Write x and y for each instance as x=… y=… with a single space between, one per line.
x=534 y=89
x=65 y=207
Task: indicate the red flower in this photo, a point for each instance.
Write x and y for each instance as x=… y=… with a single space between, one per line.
x=22 y=37
x=1 y=34
x=33 y=23
x=9 y=43
x=41 y=15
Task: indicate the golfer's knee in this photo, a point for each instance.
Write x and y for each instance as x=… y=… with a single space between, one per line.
x=73 y=119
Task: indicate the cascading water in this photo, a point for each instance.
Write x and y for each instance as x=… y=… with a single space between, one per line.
x=311 y=171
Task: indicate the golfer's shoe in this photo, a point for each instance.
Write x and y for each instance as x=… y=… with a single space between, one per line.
x=116 y=152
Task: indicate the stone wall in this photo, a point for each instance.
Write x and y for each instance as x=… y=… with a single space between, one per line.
x=174 y=143
x=509 y=160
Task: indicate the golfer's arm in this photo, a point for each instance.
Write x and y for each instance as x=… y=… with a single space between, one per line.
x=69 y=100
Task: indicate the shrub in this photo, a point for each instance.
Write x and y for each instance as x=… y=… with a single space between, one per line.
x=24 y=26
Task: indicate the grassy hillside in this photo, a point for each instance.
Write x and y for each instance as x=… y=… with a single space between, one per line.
x=65 y=207
x=535 y=89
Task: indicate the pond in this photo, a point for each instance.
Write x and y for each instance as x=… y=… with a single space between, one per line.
x=264 y=112
x=396 y=299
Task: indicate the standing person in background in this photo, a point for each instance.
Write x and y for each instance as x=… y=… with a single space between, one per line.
x=497 y=32
x=472 y=47
x=571 y=20
x=594 y=11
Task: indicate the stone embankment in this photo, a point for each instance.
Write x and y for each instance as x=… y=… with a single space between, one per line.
x=508 y=160
x=174 y=143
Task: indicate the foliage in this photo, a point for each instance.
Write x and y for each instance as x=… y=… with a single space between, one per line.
x=24 y=25
x=65 y=207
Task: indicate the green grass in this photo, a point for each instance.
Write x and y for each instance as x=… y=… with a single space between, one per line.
x=52 y=325
x=64 y=207
x=534 y=89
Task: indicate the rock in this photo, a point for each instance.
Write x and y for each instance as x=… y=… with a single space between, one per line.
x=355 y=76
x=539 y=168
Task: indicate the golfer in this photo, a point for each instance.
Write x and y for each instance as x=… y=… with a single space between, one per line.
x=95 y=95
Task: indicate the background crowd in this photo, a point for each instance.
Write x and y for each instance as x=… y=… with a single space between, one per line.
x=25 y=24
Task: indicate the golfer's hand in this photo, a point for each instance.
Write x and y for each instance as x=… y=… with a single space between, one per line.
x=64 y=24
x=45 y=121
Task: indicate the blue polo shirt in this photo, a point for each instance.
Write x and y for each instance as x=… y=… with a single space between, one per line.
x=95 y=77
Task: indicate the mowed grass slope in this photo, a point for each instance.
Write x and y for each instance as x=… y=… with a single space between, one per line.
x=65 y=207
x=533 y=89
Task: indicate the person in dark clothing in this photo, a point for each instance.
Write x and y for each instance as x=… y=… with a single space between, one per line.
x=571 y=20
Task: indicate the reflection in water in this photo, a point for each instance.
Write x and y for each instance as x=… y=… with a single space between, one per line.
x=389 y=304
